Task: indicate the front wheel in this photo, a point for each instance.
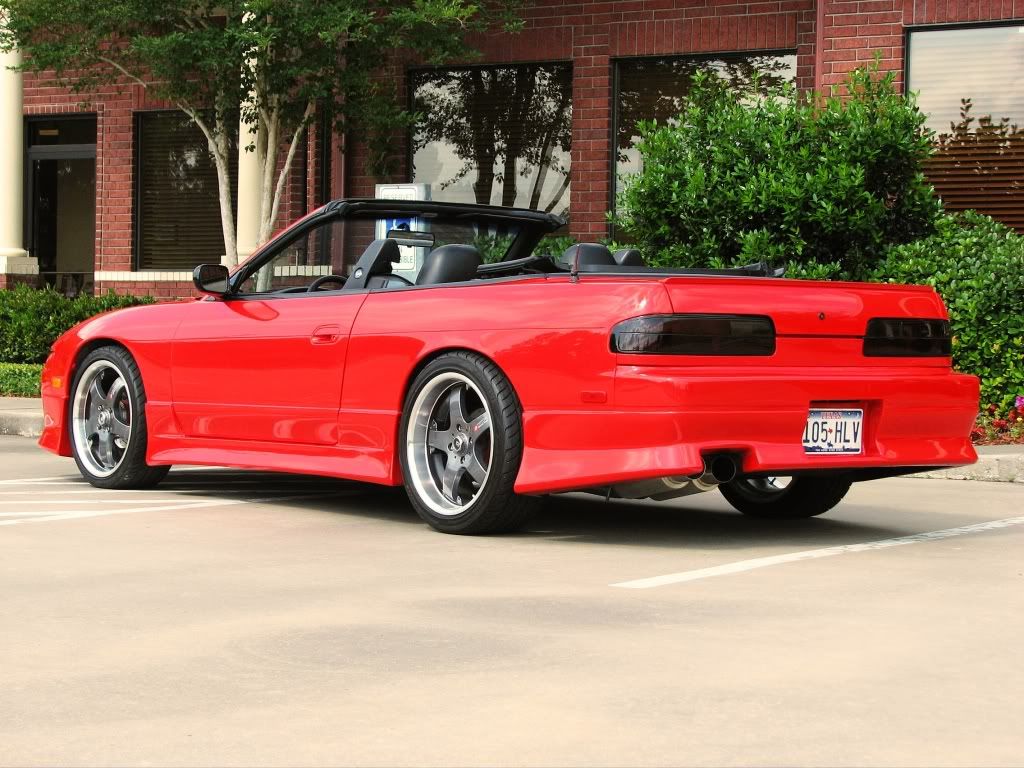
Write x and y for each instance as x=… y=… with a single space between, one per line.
x=107 y=422
x=461 y=444
x=780 y=498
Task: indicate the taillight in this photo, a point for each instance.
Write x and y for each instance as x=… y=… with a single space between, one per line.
x=695 y=335
x=907 y=337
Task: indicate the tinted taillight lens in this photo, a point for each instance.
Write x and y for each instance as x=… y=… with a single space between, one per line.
x=907 y=337
x=695 y=335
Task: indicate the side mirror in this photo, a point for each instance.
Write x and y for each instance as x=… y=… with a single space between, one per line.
x=211 y=279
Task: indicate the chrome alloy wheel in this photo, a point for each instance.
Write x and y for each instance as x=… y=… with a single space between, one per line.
x=101 y=418
x=449 y=443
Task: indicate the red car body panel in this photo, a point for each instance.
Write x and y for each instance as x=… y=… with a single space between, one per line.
x=315 y=383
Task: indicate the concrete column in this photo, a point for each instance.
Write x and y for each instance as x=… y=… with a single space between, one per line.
x=13 y=257
x=247 y=218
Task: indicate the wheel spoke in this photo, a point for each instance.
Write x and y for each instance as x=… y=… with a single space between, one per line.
x=438 y=440
x=119 y=429
x=479 y=425
x=116 y=389
x=105 y=449
x=96 y=391
x=475 y=469
x=450 y=479
x=92 y=423
x=456 y=400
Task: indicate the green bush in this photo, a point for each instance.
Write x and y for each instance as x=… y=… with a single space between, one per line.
x=977 y=265
x=31 y=320
x=785 y=179
x=20 y=379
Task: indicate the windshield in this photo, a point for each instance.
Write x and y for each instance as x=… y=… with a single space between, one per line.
x=334 y=245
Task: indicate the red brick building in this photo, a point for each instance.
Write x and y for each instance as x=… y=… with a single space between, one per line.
x=116 y=194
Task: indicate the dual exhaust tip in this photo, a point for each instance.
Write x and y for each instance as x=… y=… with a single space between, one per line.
x=719 y=468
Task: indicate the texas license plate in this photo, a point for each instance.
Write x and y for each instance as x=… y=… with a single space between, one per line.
x=834 y=431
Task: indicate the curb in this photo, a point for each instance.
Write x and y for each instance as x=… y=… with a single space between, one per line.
x=1001 y=464
x=21 y=416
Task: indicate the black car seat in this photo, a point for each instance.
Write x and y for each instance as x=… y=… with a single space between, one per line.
x=376 y=260
x=587 y=255
x=452 y=263
x=628 y=257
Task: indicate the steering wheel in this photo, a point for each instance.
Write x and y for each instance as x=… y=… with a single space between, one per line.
x=323 y=279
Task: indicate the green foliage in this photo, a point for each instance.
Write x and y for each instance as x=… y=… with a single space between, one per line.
x=977 y=265
x=31 y=320
x=20 y=379
x=492 y=248
x=833 y=181
x=273 y=64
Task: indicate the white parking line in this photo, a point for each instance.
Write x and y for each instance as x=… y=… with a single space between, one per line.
x=813 y=554
x=77 y=514
x=102 y=500
x=30 y=480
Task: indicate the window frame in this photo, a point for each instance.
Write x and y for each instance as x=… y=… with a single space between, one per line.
x=909 y=29
x=137 y=118
x=410 y=103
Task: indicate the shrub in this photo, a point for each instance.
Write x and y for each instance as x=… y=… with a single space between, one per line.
x=31 y=320
x=977 y=265
x=20 y=379
x=832 y=181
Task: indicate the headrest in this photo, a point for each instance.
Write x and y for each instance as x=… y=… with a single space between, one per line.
x=452 y=263
x=628 y=257
x=587 y=255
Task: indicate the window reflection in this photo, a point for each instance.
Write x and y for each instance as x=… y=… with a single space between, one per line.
x=495 y=135
x=655 y=89
x=975 y=104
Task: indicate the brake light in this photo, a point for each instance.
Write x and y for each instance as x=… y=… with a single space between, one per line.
x=908 y=337
x=695 y=335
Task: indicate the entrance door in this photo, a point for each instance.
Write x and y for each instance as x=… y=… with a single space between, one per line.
x=61 y=210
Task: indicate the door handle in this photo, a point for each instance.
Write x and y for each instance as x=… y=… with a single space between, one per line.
x=326 y=334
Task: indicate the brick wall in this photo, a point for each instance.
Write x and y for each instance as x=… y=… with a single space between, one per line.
x=114 y=107
x=590 y=35
x=853 y=31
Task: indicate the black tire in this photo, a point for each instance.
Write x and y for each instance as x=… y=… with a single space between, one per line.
x=132 y=471
x=494 y=507
x=805 y=496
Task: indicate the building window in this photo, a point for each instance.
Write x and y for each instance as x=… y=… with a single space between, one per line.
x=969 y=84
x=655 y=89
x=177 y=204
x=495 y=135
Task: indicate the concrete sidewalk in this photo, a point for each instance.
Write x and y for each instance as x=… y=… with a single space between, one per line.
x=997 y=463
x=21 y=416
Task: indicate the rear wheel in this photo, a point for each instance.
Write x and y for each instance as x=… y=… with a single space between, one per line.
x=785 y=497
x=107 y=422
x=461 y=444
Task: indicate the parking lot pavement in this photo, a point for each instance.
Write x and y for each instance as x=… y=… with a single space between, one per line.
x=237 y=618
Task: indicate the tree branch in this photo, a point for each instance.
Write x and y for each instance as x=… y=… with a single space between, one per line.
x=310 y=109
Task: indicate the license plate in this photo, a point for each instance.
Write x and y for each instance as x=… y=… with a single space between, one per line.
x=833 y=431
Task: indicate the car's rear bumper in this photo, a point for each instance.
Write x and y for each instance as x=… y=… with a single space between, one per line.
x=919 y=419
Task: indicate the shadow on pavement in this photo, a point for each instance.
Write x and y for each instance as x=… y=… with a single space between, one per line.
x=703 y=520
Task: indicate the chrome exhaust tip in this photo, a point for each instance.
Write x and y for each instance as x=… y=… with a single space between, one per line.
x=718 y=469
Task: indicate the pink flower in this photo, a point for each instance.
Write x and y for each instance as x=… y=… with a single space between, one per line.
x=1019 y=402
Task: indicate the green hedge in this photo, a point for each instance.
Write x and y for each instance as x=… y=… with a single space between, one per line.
x=977 y=265
x=783 y=178
x=31 y=320
x=20 y=379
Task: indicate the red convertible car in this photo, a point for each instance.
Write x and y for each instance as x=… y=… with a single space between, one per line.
x=437 y=346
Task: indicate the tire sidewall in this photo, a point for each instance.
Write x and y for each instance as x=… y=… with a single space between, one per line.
x=136 y=451
x=499 y=447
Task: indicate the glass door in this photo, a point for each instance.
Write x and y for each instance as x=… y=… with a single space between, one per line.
x=61 y=210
